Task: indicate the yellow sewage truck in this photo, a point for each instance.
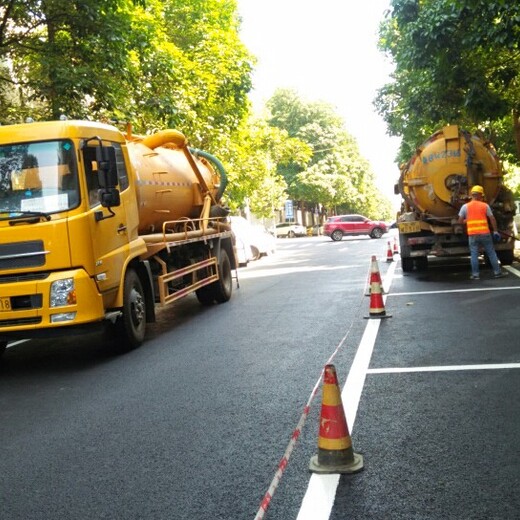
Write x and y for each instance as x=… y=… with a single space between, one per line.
x=98 y=226
x=435 y=183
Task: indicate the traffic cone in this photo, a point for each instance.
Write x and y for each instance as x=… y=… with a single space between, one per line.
x=335 y=453
x=374 y=276
x=377 y=306
x=396 y=251
x=389 y=255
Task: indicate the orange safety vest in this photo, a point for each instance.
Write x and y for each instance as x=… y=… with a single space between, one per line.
x=476 y=217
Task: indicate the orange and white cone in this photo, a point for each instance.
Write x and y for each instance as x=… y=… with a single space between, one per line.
x=374 y=275
x=335 y=452
x=396 y=250
x=377 y=305
x=389 y=254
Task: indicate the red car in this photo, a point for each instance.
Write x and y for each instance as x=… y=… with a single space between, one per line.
x=340 y=225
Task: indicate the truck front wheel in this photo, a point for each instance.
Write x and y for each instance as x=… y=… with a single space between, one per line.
x=132 y=324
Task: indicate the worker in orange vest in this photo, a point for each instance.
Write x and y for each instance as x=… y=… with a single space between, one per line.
x=475 y=214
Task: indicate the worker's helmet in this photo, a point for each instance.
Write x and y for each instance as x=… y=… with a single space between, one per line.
x=477 y=189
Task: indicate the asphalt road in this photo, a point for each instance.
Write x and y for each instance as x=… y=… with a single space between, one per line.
x=193 y=424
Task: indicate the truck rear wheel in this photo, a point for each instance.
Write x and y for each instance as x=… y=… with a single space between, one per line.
x=205 y=295
x=131 y=326
x=506 y=256
x=407 y=264
x=223 y=287
x=3 y=347
x=219 y=291
x=421 y=263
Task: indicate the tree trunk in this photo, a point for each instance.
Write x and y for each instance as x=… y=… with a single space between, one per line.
x=516 y=129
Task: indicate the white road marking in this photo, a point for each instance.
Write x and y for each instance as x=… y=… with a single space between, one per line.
x=12 y=344
x=449 y=368
x=512 y=270
x=321 y=492
x=447 y=291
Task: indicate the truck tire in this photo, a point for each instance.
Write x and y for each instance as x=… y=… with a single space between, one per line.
x=223 y=287
x=376 y=233
x=3 y=347
x=407 y=265
x=506 y=256
x=131 y=326
x=336 y=235
x=421 y=263
x=219 y=291
x=205 y=295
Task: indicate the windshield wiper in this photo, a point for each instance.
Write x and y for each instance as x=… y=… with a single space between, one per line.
x=17 y=217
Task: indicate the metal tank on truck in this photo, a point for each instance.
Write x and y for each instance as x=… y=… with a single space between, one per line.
x=435 y=183
x=98 y=226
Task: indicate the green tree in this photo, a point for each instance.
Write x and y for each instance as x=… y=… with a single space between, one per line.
x=64 y=56
x=254 y=153
x=456 y=61
x=155 y=63
x=336 y=175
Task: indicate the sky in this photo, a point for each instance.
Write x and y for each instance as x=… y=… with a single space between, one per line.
x=326 y=50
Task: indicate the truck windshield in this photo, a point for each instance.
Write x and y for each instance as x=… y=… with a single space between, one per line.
x=38 y=177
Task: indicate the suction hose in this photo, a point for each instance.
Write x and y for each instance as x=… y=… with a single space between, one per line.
x=218 y=165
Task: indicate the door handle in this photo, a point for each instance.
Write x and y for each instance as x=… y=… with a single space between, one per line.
x=121 y=228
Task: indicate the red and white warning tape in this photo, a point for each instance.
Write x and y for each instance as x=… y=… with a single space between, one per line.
x=264 y=504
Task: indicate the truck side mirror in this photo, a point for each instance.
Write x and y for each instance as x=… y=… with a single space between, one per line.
x=107 y=176
x=109 y=197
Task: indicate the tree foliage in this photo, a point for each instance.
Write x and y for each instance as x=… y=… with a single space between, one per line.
x=155 y=63
x=336 y=175
x=255 y=153
x=178 y=64
x=456 y=61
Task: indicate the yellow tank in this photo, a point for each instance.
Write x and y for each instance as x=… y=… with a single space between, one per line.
x=171 y=181
x=437 y=179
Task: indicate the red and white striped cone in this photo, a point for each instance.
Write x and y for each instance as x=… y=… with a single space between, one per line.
x=373 y=276
x=377 y=306
x=396 y=250
x=389 y=254
x=335 y=452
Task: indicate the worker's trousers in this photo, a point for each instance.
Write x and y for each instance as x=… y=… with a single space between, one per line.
x=484 y=240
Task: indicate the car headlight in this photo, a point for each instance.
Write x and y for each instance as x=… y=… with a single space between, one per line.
x=63 y=293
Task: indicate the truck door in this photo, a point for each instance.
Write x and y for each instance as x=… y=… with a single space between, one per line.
x=109 y=232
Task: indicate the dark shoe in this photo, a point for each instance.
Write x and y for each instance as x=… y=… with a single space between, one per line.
x=500 y=275
x=474 y=277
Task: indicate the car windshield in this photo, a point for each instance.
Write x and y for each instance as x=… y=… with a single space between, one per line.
x=38 y=177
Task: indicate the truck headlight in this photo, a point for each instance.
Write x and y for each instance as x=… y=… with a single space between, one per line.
x=63 y=293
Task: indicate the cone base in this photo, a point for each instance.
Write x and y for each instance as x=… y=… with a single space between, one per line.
x=377 y=316
x=326 y=469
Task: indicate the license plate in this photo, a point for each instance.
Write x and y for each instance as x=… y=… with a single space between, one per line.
x=5 y=304
x=410 y=227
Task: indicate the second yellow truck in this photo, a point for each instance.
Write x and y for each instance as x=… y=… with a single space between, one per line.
x=435 y=183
